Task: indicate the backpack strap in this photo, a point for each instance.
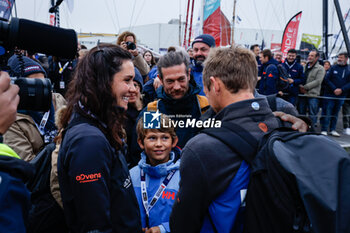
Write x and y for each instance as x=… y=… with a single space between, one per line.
x=203 y=103
x=153 y=106
x=271 y=99
x=237 y=139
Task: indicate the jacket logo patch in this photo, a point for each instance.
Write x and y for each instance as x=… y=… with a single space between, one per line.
x=270 y=75
x=168 y=195
x=127 y=182
x=85 y=178
x=263 y=127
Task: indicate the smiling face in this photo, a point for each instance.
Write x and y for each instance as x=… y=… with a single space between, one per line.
x=200 y=51
x=175 y=81
x=134 y=96
x=291 y=57
x=157 y=146
x=123 y=85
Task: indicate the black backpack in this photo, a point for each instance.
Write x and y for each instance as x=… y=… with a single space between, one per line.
x=299 y=181
x=282 y=81
x=45 y=214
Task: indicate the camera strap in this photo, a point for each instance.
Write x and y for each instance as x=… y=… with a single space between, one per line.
x=43 y=122
x=156 y=196
x=60 y=71
x=62 y=84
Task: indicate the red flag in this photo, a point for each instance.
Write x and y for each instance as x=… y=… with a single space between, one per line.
x=290 y=34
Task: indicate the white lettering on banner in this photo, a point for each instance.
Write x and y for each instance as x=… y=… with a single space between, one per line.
x=209 y=123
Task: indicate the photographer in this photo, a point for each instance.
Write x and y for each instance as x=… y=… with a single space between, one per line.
x=127 y=40
x=31 y=129
x=14 y=196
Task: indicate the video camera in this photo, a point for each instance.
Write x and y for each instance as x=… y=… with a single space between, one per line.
x=35 y=94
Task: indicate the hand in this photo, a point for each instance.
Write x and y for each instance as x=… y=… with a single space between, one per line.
x=280 y=93
x=153 y=230
x=123 y=45
x=291 y=80
x=156 y=83
x=259 y=77
x=338 y=91
x=9 y=100
x=302 y=89
x=298 y=124
x=134 y=52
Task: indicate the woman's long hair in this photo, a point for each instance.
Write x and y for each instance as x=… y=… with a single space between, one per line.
x=91 y=85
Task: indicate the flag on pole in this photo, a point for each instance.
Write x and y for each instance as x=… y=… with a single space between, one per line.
x=290 y=34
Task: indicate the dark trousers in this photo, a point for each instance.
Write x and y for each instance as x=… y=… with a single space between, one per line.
x=330 y=111
x=309 y=103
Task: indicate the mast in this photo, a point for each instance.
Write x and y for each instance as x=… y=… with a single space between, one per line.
x=189 y=34
x=188 y=8
x=325 y=28
x=233 y=22
x=342 y=25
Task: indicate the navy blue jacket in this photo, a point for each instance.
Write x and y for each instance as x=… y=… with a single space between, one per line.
x=14 y=195
x=337 y=77
x=213 y=177
x=95 y=183
x=267 y=84
x=197 y=74
x=296 y=72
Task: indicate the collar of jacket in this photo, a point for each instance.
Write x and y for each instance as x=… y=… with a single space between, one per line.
x=161 y=169
x=192 y=90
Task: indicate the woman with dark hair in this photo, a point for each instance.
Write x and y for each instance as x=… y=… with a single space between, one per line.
x=149 y=58
x=95 y=183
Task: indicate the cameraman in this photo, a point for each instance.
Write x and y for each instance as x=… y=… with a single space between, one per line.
x=127 y=40
x=14 y=196
x=32 y=130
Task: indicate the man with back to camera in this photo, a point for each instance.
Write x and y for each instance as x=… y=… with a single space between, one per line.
x=212 y=175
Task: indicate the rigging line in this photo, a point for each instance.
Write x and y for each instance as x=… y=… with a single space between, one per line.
x=274 y=11
x=132 y=14
x=138 y=15
x=257 y=15
x=116 y=13
x=110 y=14
x=342 y=43
x=284 y=11
x=339 y=33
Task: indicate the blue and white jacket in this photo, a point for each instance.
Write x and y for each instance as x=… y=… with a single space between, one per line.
x=160 y=213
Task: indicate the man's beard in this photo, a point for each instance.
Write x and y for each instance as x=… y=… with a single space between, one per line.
x=199 y=60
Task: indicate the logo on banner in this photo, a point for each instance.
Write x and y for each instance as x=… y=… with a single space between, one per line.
x=151 y=120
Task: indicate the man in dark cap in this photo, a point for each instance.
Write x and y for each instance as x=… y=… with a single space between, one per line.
x=201 y=47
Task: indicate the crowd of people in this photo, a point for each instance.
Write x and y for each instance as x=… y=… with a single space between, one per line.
x=110 y=173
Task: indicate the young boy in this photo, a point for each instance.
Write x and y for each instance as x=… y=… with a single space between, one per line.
x=156 y=178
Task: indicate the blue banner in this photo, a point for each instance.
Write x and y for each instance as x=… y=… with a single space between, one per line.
x=209 y=7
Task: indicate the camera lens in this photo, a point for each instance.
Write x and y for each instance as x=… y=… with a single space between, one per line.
x=130 y=45
x=35 y=94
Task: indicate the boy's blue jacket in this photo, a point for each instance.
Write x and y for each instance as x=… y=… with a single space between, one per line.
x=160 y=213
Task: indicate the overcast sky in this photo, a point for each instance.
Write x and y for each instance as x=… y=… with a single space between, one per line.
x=108 y=16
